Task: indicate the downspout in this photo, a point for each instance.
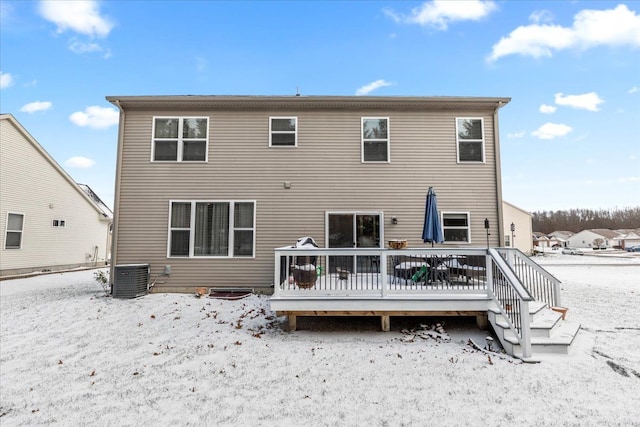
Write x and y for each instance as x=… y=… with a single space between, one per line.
x=496 y=148
x=116 y=202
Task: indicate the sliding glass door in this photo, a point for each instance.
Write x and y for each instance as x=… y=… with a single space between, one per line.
x=354 y=230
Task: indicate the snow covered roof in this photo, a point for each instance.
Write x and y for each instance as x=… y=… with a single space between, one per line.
x=93 y=196
x=605 y=232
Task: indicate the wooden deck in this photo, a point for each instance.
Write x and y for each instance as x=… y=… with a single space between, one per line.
x=411 y=282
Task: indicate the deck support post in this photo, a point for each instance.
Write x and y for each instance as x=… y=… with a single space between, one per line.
x=385 y=322
x=292 y=323
x=482 y=321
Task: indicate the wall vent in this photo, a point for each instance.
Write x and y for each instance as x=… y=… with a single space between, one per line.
x=130 y=280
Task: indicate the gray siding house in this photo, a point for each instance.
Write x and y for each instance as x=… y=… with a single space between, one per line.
x=208 y=186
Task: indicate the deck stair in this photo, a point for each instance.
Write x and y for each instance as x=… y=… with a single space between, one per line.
x=550 y=334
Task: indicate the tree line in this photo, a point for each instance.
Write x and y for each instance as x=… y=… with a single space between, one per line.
x=576 y=220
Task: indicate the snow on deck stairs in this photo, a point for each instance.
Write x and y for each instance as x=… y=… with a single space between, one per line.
x=550 y=334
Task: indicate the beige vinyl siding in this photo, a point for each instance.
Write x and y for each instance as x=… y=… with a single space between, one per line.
x=30 y=184
x=325 y=172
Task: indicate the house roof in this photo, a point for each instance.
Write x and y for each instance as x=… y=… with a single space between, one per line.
x=89 y=192
x=516 y=207
x=561 y=235
x=605 y=232
x=315 y=102
x=102 y=209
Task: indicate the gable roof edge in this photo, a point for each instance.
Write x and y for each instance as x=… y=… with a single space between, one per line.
x=11 y=119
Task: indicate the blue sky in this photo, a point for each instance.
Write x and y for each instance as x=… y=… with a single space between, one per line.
x=569 y=137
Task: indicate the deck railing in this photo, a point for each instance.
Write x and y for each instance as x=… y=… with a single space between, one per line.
x=512 y=299
x=505 y=275
x=541 y=284
x=376 y=271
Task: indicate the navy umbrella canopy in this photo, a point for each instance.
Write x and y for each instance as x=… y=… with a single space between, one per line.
x=432 y=231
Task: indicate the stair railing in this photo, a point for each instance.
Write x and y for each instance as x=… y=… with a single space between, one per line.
x=511 y=297
x=541 y=284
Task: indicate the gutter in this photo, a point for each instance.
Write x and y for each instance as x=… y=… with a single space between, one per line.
x=116 y=202
x=496 y=148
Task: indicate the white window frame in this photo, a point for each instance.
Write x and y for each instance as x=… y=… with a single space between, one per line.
x=272 y=132
x=387 y=140
x=231 y=230
x=9 y=230
x=481 y=141
x=180 y=140
x=468 y=227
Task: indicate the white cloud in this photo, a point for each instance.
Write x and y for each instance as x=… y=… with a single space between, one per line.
x=516 y=134
x=634 y=89
x=547 y=109
x=586 y=101
x=365 y=90
x=82 y=16
x=96 y=117
x=6 y=80
x=541 y=16
x=32 y=107
x=439 y=13
x=591 y=28
x=79 y=47
x=551 y=131
x=79 y=162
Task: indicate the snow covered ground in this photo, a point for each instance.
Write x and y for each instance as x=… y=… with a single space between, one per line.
x=71 y=356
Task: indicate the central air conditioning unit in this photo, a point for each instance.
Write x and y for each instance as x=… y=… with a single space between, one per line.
x=130 y=280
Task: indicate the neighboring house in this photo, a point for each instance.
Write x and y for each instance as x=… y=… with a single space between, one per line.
x=208 y=186
x=594 y=238
x=540 y=240
x=628 y=238
x=47 y=221
x=517 y=227
x=560 y=237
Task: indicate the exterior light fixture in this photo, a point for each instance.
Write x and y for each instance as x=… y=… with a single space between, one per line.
x=486 y=226
x=513 y=236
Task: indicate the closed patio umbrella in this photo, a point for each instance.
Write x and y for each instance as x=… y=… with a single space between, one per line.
x=432 y=231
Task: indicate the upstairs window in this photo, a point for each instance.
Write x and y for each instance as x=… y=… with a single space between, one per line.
x=212 y=229
x=470 y=136
x=375 y=139
x=455 y=227
x=15 y=226
x=283 y=132
x=180 y=139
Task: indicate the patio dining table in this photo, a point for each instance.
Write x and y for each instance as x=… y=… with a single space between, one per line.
x=427 y=270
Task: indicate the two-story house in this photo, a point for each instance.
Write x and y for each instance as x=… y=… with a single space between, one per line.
x=208 y=186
